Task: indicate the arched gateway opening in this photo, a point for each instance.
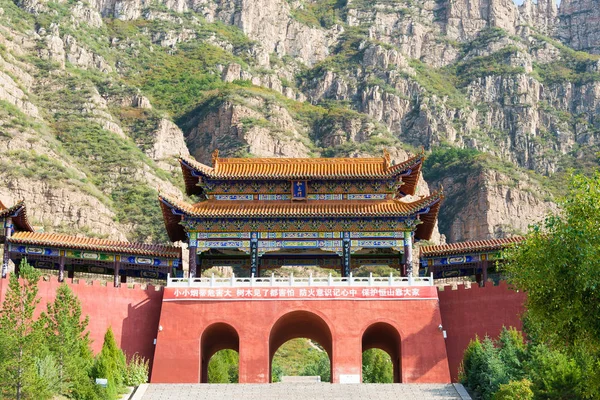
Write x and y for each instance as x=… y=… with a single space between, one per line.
x=384 y=336
x=300 y=324
x=216 y=337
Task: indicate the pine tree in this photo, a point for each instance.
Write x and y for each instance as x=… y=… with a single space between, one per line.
x=21 y=343
x=111 y=364
x=69 y=343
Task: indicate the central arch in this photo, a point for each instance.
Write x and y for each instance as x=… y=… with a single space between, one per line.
x=218 y=336
x=300 y=324
x=384 y=336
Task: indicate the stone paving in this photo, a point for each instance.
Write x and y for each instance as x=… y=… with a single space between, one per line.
x=297 y=391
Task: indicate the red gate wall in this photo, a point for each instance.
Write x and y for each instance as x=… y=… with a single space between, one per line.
x=133 y=313
x=134 y=316
x=478 y=311
x=423 y=352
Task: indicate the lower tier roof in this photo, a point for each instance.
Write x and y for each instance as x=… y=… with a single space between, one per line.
x=94 y=244
x=426 y=208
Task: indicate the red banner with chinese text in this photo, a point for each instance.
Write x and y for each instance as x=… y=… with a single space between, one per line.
x=300 y=293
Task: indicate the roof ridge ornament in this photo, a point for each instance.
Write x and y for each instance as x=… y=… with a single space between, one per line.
x=386 y=159
x=215 y=158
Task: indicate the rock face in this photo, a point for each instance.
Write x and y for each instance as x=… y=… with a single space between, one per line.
x=102 y=107
x=63 y=208
x=490 y=205
x=168 y=144
x=578 y=24
x=256 y=127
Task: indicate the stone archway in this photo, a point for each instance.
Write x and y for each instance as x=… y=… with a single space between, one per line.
x=300 y=324
x=384 y=336
x=218 y=336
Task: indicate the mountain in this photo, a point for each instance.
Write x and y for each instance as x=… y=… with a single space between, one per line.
x=97 y=99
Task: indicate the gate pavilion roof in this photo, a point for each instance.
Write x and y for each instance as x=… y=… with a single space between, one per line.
x=302 y=168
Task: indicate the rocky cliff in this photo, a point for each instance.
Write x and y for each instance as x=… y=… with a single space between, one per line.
x=98 y=97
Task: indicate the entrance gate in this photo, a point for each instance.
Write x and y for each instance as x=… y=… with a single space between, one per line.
x=254 y=316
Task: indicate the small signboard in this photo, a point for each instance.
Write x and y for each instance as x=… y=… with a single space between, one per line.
x=349 y=378
x=102 y=382
x=298 y=190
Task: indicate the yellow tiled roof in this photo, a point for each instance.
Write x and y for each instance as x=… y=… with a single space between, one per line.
x=300 y=168
x=245 y=209
x=470 y=246
x=85 y=243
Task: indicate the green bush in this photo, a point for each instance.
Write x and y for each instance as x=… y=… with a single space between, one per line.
x=110 y=364
x=514 y=390
x=554 y=374
x=223 y=367
x=377 y=367
x=489 y=364
x=137 y=371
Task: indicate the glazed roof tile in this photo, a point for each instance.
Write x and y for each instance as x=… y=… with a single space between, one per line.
x=174 y=211
x=385 y=208
x=469 y=247
x=86 y=243
x=301 y=168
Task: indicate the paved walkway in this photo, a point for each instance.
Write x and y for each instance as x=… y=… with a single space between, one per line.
x=297 y=391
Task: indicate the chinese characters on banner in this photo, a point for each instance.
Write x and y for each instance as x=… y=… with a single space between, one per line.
x=301 y=293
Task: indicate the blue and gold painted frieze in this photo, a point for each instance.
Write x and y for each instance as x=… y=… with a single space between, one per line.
x=220 y=244
x=299 y=244
x=460 y=259
x=299 y=235
x=273 y=187
x=377 y=235
x=92 y=256
x=310 y=196
x=296 y=224
x=376 y=243
x=37 y=250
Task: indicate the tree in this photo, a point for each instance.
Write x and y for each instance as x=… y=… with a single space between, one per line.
x=21 y=341
x=483 y=369
x=69 y=342
x=489 y=364
x=558 y=266
x=223 y=367
x=514 y=390
x=377 y=367
x=110 y=364
x=554 y=375
x=320 y=366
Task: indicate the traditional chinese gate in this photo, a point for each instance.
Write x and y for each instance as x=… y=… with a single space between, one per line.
x=254 y=316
